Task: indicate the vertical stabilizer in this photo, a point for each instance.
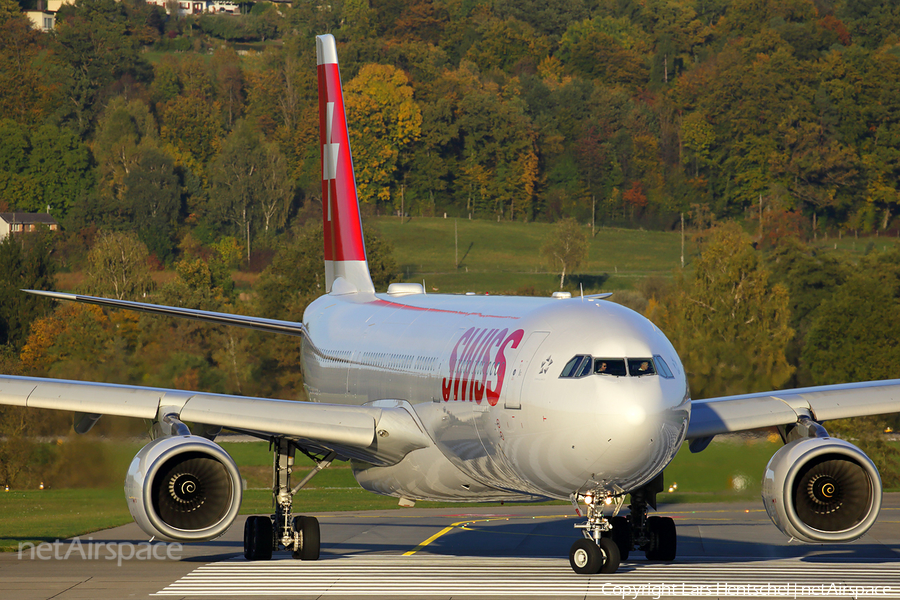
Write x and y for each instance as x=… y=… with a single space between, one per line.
x=345 y=251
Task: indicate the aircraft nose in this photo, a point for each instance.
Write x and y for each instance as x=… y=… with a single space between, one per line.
x=639 y=427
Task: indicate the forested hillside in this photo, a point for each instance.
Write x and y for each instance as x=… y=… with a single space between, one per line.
x=634 y=111
x=190 y=145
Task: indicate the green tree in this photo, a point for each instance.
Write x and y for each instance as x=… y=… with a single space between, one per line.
x=853 y=334
x=95 y=42
x=237 y=178
x=25 y=95
x=60 y=163
x=811 y=277
x=16 y=183
x=124 y=130
x=153 y=191
x=24 y=265
x=728 y=323
x=565 y=248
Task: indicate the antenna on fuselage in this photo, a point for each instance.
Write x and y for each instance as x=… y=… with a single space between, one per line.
x=581 y=287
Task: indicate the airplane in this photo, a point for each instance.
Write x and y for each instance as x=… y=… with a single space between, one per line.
x=467 y=398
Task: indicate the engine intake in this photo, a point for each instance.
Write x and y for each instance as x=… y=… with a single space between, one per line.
x=183 y=488
x=822 y=490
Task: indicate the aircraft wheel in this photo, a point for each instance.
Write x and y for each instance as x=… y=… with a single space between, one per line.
x=588 y=558
x=585 y=557
x=663 y=539
x=308 y=527
x=258 y=538
x=611 y=558
x=621 y=535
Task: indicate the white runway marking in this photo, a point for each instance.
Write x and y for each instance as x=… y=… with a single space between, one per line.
x=442 y=575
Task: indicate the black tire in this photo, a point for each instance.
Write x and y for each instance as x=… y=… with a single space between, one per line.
x=585 y=557
x=258 y=538
x=663 y=539
x=621 y=535
x=308 y=527
x=611 y=557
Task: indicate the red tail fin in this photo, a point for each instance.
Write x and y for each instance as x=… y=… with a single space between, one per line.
x=345 y=252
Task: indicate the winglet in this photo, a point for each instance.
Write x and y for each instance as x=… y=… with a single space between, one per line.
x=345 y=251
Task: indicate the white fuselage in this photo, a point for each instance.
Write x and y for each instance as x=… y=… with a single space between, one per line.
x=482 y=374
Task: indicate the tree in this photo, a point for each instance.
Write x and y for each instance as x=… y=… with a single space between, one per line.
x=385 y=122
x=565 y=248
x=853 y=334
x=117 y=267
x=24 y=265
x=277 y=188
x=728 y=323
x=24 y=93
x=153 y=191
x=95 y=42
x=236 y=177
x=124 y=130
x=60 y=164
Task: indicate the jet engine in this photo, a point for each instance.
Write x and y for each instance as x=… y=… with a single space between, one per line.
x=822 y=490
x=183 y=489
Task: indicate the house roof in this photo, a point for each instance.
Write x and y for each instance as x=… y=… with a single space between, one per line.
x=28 y=218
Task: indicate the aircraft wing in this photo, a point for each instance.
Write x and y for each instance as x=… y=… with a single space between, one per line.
x=729 y=414
x=380 y=435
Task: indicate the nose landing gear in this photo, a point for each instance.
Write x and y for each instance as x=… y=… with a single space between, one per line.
x=609 y=540
x=598 y=552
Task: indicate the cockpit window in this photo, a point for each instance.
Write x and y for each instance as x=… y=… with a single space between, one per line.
x=583 y=365
x=610 y=366
x=579 y=366
x=662 y=367
x=584 y=368
x=638 y=367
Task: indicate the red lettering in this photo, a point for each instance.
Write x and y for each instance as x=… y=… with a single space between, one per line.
x=514 y=338
x=468 y=362
x=494 y=339
x=447 y=382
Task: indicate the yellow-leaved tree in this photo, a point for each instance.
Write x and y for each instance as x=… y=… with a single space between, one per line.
x=384 y=123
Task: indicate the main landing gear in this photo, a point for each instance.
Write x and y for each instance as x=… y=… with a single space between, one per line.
x=609 y=540
x=283 y=531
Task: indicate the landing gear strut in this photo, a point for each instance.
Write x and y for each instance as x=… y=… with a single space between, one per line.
x=609 y=540
x=597 y=552
x=282 y=530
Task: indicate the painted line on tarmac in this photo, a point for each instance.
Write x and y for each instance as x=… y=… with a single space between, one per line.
x=465 y=525
x=429 y=576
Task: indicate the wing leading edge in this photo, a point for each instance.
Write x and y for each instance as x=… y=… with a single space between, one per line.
x=348 y=430
x=729 y=414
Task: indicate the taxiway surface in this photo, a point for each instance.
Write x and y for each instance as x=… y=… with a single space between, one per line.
x=724 y=550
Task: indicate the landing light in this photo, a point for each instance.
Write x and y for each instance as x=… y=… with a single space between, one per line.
x=588 y=498
x=607 y=500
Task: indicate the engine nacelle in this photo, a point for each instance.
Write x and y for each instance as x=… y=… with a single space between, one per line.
x=822 y=490
x=183 y=489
